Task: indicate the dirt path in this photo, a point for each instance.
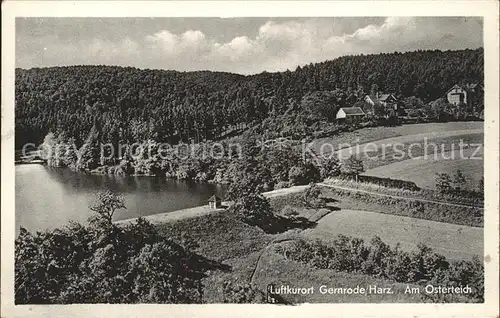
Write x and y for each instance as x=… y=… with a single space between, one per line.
x=284 y=239
x=396 y=197
x=264 y=250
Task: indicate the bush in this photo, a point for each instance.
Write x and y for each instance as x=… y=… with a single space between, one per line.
x=424 y=264
x=443 y=183
x=377 y=255
x=236 y=292
x=304 y=174
x=282 y=185
x=380 y=260
x=292 y=199
x=396 y=265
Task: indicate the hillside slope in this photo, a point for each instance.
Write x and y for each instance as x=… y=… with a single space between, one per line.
x=129 y=104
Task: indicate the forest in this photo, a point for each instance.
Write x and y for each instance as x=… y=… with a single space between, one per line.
x=127 y=105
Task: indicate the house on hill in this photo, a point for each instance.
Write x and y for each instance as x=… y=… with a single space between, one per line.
x=389 y=102
x=382 y=99
x=350 y=114
x=463 y=94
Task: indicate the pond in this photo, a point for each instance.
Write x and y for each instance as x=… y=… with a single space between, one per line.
x=47 y=198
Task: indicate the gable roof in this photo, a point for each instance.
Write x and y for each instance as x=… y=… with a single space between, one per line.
x=384 y=97
x=381 y=98
x=352 y=111
x=373 y=98
x=471 y=87
x=453 y=87
x=214 y=198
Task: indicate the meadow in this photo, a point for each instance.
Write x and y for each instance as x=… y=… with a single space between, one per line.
x=453 y=241
x=400 y=134
x=247 y=256
x=423 y=171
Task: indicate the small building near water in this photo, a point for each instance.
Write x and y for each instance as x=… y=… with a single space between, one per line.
x=215 y=202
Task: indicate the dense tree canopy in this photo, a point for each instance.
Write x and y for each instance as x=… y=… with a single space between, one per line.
x=123 y=104
x=101 y=262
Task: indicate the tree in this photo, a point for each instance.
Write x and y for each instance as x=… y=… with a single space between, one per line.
x=243 y=185
x=413 y=102
x=459 y=181
x=365 y=106
x=303 y=174
x=439 y=108
x=106 y=204
x=324 y=105
x=135 y=105
x=90 y=151
x=311 y=197
x=330 y=167
x=443 y=183
x=253 y=209
x=236 y=292
x=296 y=175
x=374 y=89
x=159 y=277
x=352 y=166
x=480 y=186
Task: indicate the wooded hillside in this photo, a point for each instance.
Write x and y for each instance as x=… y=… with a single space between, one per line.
x=125 y=104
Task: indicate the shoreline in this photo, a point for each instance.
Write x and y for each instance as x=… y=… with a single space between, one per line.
x=204 y=209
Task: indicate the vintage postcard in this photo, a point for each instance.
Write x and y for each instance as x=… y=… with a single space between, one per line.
x=193 y=158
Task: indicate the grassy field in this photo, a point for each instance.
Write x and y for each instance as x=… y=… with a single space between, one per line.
x=414 y=149
x=220 y=236
x=451 y=240
x=404 y=133
x=246 y=254
x=232 y=244
x=423 y=171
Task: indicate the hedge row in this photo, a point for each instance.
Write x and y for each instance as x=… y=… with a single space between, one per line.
x=417 y=209
x=380 y=260
x=293 y=199
x=384 y=182
x=408 y=189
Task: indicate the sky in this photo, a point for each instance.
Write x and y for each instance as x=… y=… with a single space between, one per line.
x=238 y=45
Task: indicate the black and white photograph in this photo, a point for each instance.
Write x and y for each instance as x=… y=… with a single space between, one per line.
x=278 y=160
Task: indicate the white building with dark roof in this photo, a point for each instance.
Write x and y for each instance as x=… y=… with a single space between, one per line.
x=463 y=94
x=350 y=114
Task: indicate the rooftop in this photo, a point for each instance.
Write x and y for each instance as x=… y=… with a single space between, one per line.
x=214 y=198
x=352 y=111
